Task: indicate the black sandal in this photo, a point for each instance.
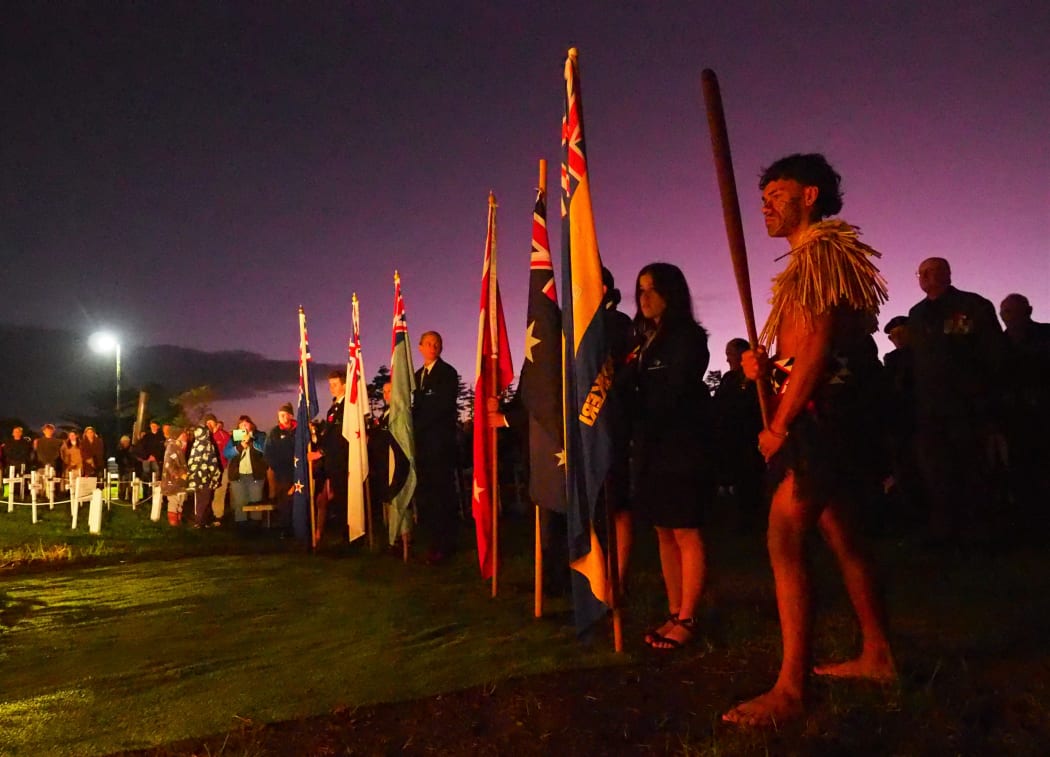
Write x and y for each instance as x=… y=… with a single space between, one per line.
x=653 y=633
x=689 y=624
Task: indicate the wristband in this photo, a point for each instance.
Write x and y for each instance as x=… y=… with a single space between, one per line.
x=777 y=434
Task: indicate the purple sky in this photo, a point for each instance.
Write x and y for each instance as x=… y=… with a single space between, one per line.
x=188 y=175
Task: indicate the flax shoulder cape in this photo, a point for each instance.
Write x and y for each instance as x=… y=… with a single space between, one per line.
x=829 y=267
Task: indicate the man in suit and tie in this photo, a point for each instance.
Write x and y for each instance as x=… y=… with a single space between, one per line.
x=434 y=424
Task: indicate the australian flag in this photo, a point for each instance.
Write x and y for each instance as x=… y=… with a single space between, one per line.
x=541 y=387
x=588 y=368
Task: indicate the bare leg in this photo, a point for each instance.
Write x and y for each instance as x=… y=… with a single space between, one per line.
x=789 y=520
x=692 y=571
x=671 y=568
x=876 y=660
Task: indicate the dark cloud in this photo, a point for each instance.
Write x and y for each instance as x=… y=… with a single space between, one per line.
x=52 y=373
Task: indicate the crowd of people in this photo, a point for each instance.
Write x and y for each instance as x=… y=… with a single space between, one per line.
x=944 y=436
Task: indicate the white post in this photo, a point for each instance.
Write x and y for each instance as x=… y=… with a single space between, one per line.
x=95 y=513
x=49 y=483
x=10 y=481
x=32 y=491
x=74 y=503
x=154 y=514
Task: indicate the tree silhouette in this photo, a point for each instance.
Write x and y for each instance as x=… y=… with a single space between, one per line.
x=192 y=405
x=375 y=390
x=713 y=379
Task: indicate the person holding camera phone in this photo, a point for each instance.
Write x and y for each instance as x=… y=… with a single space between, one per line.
x=247 y=466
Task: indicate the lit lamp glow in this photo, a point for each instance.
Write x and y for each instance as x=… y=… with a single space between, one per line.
x=104 y=342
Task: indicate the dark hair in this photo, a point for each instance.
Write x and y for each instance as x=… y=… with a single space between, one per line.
x=894 y=322
x=341 y=375
x=669 y=283
x=612 y=294
x=440 y=341
x=809 y=170
x=739 y=343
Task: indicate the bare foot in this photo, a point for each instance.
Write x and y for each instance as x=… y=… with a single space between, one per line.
x=770 y=709
x=873 y=667
x=661 y=630
x=680 y=634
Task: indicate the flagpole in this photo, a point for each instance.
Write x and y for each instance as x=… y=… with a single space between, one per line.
x=613 y=569
x=368 y=517
x=538 y=546
x=359 y=390
x=407 y=367
x=309 y=444
x=493 y=383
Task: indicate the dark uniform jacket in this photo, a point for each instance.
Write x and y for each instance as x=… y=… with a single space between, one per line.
x=434 y=414
x=671 y=422
x=957 y=345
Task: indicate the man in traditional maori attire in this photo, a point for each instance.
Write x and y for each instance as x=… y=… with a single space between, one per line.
x=818 y=443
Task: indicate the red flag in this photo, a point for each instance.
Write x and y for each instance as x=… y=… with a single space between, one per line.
x=494 y=375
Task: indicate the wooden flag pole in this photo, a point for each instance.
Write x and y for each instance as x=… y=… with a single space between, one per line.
x=368 y=517
x=493 y=382
x=538 y=547
x=716 y=122
x=538 y=575
x=612 y=567
x=310 y=439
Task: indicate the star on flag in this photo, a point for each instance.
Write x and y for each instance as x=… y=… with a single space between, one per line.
x=530 y=340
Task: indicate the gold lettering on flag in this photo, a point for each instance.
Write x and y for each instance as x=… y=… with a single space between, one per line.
x=592 y=405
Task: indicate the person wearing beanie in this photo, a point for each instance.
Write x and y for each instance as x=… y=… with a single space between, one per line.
x=279 y=452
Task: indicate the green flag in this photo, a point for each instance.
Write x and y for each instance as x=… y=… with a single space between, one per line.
x=403 y=383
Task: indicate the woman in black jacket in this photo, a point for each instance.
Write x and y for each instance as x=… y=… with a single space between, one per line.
x=672 y=475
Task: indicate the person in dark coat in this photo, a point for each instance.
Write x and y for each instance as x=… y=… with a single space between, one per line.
x=959 y=351
x=384 y=483
x=279 y=452
x=673 y=481
x=93 y=450
x=434 y=424
x=127 y=467
x=1026 y=410
x=47 y=449
x=18 y=451
x=619 y=330
x=151 y=449
x=334 y=454
x=737 y=421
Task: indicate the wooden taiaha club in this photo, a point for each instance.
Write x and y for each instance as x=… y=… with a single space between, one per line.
x=716 y=122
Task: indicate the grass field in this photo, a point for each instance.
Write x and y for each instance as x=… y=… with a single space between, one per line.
x=151 y=636
x=173 y=643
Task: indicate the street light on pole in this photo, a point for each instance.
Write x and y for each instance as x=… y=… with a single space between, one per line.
x=105 y=342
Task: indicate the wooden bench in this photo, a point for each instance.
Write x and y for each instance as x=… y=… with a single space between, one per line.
x=260 y=508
